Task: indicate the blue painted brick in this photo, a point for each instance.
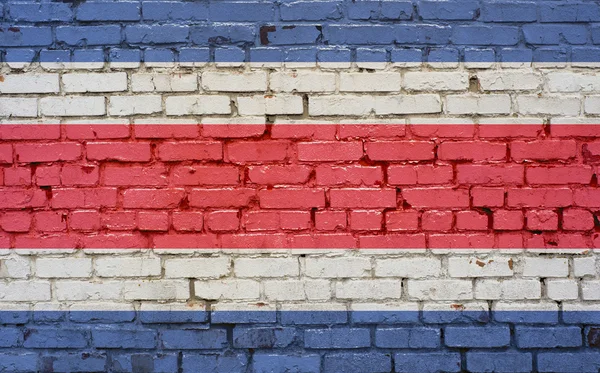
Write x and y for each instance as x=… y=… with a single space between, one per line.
x=480 y=55
x=337 y=338
x=55 y=338
x=363 y=9
x=89 y=35
x=51 y=56
x=263 y=337
x=310 y=10
x=592 y=336
x=10 y=337
x=175 y=11
x=109 y=11
x=516 y=55
x=357 y=362
x=230 y=55
x=198 y=55
x=485 y=35
x=427 y=362
x=509 y=11
x=159 y=55
x=276 y=363
x=125 y=55
x=156 y=34
x=140 y=362
x=18 y=362
x=88 y=55
x=243 y=317
x=241 y=11
x=555 y=34
x=473 y=336
x=300 y=54
x=371 y=55
x=313 y=318
x=222 y=34
x=334 y=55
x=396 y=10
x=585 y=54
x=359 y=34
x=522 y=317
x=292 y=35
x=24 y=36
x=227 y=362
x=548 y=337
x=407 y=55
x=407 y=337
x=266 y=54
x=213 y=339
x=385 y=317
x=75 y=363
x=569 y=11
x=596 y=34
x=123 y=338
x=422 y=34
x=39 y=12
x=15 y=317
x=569 y=362
x=448 y=10
x=454 y=316
x=101 y=316
x=26 y=56
x=499 y=362
x=581 y=317
x=443 y=55
x=558 y=55
x=178 y=317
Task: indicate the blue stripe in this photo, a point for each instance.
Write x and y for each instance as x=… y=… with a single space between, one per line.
x=301 y=31
x=302 y=341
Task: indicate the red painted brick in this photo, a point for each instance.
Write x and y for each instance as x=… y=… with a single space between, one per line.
x=115 y=241
x=128 y=175
x=304 y=131
x=288 y=198
x=559 y=175
x=188 y=221
x=254 y=241
x=461 y=241
x=50 y=221
x=30 y=132
x=540 y=197
x=85 y=174
x=472 y=151
x=487 y=197
x=55 y=241
x=233 y=130
x=364 y=220
x=119 y=220
x=401 y=221
x=471 y=221
x=47 y=175
x=352 y=175
x=400 y=150
x=69 y=198
x=165 y=131
x=422 y=174
x=205 y=175
x=510 y=241
x=85 y=221
x=436 y=197
x=190 y=151
x=571 y=130
x=119 y=151
x=393 y=241
x=362 y=198
x=577 y=220
x=509 y=220
x=222 y=221
x=12 y=198
x=294 y=220
x=265 y=151
x=96 y=131
x=153 y=220
x=591 y=150
x=330 y=220
x=443 y=130
x=278 y=174
x=225 y=197
x=490 y=174
x=17 y=176
x=437 y=220
x=185 y=241
x=510 y=131
x=15 y=221
x=51 y=152
x=153 y=198
x=587 y=197
x=557 y=241
x=255 y=221
x=372 y=131
x=543 y=150
x=6 y=153
x=326 y=241
x=330 y=151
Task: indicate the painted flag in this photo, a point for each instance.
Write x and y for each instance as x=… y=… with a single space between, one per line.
x=299 y=186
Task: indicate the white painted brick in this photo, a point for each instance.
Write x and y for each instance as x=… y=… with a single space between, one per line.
x=513 y=289
x=123 y=121
x=269 y=104
x=171 y=307
x=370 y=82
x=193 y=105
x=156 y=290
x=255 y=81
x=511 y=120
x=573 y=82
x=480 y=267
x=227 y=289
x=302 y=307
x=580 y=307
x=584 y=267
x=553 y=105
x=574 y=120
x=18 y=107
x=592 y=105
x=340 y=105
x=25 y=291
x=385 y=306
x=525 y=306
x=444 y=121
x=245 y=307
x=66 y=267
x=233 y=121
x=440 y=289
x=408 y=104
x=164 y=120
x=87 y=290
x=164 y=82
x=197 y=267
x=266 y=267
x=302 y=81
x=456 y=307
x=510 y=80
x=82 y=83
x=73 y=106
x=127 y=267
x=297 y=290
x=131 y=105
x=436 y=81
x=562 y=289
x=15 y=267
x=30 y=83
x=368 y=289
x=408 y=267
x=546 y=267
x=478 y=104
x=590 y=290
x=338 y=267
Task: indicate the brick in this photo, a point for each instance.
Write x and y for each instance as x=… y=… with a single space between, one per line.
x=482 y=337
x=423 y=174
x=16 y=221
x=471 y=150
x=337 y=338
x=586 y=197
x=436 y=197
x=436 y=220
x=181 y=151
x=542 y=220
x=205 y=175
x=577 y=220
x=30 y=83
x=401 y=221
x=362 y=198
x=471 y=220
x=85 y=221
x=115 y=129
x=292 y=198
x=461 y=241
x=291 y=129
x=302 y=81
x=270 y=105
x=375 y=82
x=400 y=151
x=197 y=267
x=562 y=289
x=226 y=220
x=475 y=267
x=267 y=362
x=235 y=290
x=155 y=128
x=72 y=106
x=83 y=83
x=349 y=175
x=564 y=105
x=438 y=81
x=509 y=289
x=55 y=338
x=225 y=82
x=197 y=105
x=539 y=197
x=440 y=289
x=119 y=220
x=240 y=197
x=152 y=221
x=508 y=220
x=152 y=198
x=79 y=175
x=365 y=220
x=118 y=175
x=119 y=151
x=50 y=221
x=19 y=199
x=330 y=151
x=499 y=361
x=279 y=174
x=330 y=220
x=187 y=221
x=539 y=150
x=357 y=362
x=490 y=175
x=242 y=152
x=266 y=267
x=484 y=104
x=408 y=267
x=17 y=176
x=63 y=268
x=429 y=362
x=51 y=152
